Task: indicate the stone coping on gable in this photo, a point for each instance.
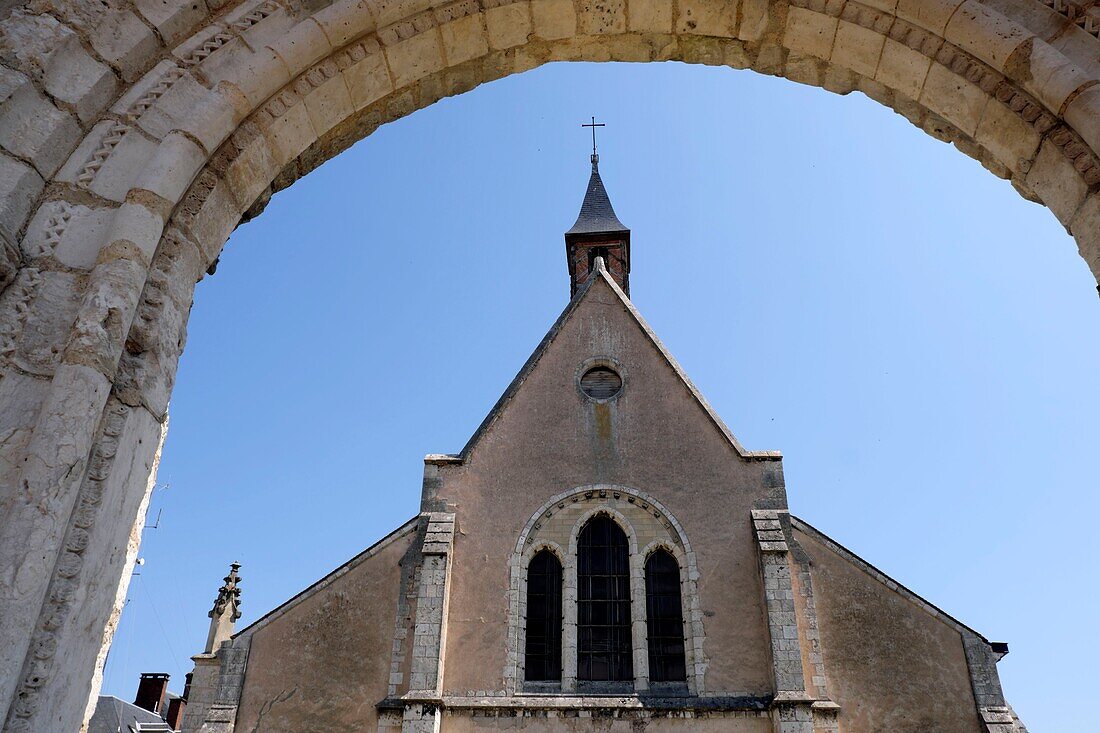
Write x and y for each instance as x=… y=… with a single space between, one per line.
x=410 y=526
x=890 y=583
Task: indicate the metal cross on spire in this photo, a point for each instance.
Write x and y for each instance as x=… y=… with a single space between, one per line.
x=594 y=125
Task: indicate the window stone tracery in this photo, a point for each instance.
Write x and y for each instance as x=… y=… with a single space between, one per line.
x=648 y=528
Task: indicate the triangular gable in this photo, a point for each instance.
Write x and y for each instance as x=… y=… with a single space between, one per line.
x=598 y=274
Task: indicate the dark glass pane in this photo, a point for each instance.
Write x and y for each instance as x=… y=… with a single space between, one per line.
x=543 y=650
x=664 y=618
x=604 y=650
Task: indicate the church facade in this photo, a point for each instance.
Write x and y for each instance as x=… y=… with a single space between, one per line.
x=602 y=555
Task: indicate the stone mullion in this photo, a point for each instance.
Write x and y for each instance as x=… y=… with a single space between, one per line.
x=569 y=621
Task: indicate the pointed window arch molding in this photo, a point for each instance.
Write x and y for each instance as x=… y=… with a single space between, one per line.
x=561 y=518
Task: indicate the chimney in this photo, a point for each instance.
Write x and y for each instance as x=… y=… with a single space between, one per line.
x=174 y=718
x=151 y=691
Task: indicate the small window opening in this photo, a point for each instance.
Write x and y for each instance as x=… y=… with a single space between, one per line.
x=597 y=252
x=601 y=383
x=603 y=603
x=664 y=618
x=543 y=650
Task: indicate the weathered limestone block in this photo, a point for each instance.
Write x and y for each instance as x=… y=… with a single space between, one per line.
x=147 y=371
x=367 y=77
x=391 y=11
x=756 y=19
x=634 y=48
x=100 y=549
x=124 y=42
x=173 y=19
x=328 y=103
x=32 y=128
x=205 y=45
x=174 y=166
x=80 y=81
x=107 y=310
x=52 y=54
x=508 y=24
x=902 y=69
x=109 y=160
x=465 y=38
x=45 y=311
x=168 y=99
x=77 y=14
x=301 y=46
x=22 y=396
x=19 y=187
x=554 y=19
x=36 y=519
x=601 y=16
x=414 y=58
x=1007 y=137
x=28 y=41
x=810 y=32
x=253 y=167
x=204 y=681
x=650 y=16
x=345 y=20
x=957 y=100
x=1083 y=115
x=210 y=213
x=1050 y=76
x=803 y=68
x=857 y=48
x=291 y=132
x=266 y=31
x=1053 y=178
x=707 y=18
x=931 y=15
x=72 y=234
x=985 y=33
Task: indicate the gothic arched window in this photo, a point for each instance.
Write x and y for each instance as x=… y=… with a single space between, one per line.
x=543 y=650
x=603 y=603
x=664 y=618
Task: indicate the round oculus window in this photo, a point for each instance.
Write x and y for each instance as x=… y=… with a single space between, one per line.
x=601 y=383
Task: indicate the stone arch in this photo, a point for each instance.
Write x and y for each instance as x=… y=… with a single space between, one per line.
x=558 y=522
x=134 y=136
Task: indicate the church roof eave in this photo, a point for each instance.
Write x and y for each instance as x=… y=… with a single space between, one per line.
x=599 y=272
x=410 y=526
x=927 y=606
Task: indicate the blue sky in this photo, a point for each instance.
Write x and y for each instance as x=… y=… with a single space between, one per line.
x=918 y=340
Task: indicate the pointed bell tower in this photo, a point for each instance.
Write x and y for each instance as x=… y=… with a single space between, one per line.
x=597 y=233
x=226 y=610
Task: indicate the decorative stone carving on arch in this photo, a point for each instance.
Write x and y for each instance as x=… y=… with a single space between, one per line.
x=135 y=137
x=643 y=519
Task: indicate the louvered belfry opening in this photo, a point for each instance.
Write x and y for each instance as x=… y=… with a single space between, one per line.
x=604 y=649
x=664 y=618
x=601 y=383
x=542 y=661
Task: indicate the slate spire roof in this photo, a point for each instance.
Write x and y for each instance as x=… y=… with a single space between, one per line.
x=596 y=216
